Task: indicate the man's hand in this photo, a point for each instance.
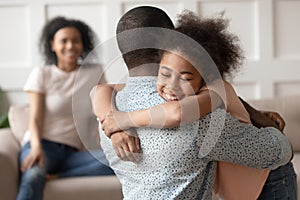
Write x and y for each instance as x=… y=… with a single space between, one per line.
x=274 y=116
x=127 y=145
x=264 y=118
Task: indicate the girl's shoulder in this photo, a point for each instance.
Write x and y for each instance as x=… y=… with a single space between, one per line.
x=228 y=86
x=218 y=86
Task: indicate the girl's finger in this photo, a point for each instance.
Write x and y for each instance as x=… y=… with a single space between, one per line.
x=123 y=155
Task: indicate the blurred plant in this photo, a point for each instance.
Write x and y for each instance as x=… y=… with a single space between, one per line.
x=4 y=123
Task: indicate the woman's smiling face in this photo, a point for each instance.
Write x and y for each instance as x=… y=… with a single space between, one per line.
x=67 y=45
x=177 y=78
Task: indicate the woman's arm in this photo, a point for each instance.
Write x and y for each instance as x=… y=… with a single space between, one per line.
x=36 y=107
x=166 y=115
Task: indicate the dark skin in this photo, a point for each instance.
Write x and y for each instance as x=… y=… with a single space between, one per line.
x=264 y=119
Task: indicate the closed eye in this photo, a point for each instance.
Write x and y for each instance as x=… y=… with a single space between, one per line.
x=165 y=74
x=185 y=79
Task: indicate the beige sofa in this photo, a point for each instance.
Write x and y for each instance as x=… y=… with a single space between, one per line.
x=109 y=187
x=91 y=188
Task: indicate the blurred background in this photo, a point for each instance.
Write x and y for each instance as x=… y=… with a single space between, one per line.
x=268 y=29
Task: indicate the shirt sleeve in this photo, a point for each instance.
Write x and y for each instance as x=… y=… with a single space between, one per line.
x=229 y=140
x=35 y=81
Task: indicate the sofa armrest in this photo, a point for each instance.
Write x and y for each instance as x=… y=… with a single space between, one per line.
x=9 y=151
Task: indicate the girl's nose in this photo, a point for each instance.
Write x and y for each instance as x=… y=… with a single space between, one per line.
x=173 y=84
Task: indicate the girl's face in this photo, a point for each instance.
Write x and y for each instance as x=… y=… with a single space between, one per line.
x=177 y=78
x=68 y=46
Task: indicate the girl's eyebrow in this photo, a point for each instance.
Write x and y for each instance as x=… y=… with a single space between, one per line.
x=186 y=72
x=167 y=68
x=182 y=72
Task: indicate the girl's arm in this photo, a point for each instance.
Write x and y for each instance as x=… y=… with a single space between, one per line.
x=166 y=115
x=126 y=144
x=36 y=107
x=102 y=100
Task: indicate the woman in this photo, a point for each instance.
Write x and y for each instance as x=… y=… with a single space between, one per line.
x=51 y=146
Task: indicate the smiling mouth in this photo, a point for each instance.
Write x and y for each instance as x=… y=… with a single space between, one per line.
x=71 y=53
x=171 y=97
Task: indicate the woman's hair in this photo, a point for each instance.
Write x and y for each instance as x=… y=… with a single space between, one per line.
x=211 y=33
x=87 y=35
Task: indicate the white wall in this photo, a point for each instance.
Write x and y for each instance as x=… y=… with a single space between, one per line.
x=268 y=30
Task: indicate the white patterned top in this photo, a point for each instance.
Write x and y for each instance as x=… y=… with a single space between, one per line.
x=179 y=163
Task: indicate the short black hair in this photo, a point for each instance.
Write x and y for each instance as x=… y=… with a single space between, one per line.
x=141 y=17
x=87 y=35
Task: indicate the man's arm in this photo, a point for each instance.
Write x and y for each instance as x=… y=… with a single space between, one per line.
x=229 y=140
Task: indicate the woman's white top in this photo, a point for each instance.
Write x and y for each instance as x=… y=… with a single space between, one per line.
x=62 y=91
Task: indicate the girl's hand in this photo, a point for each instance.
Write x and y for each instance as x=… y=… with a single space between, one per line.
x=115 y=121
x=127 y=145
x=35 y=156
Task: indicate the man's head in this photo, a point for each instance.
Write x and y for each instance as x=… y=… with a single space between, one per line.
x=141 y=17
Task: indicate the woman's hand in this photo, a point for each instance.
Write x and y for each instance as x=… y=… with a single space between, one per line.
x=127 y=145
x=115 y=121
x=36 y=155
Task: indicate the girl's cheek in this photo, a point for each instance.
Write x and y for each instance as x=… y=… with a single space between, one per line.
x=160 y=82
x=160 y=91
x=188 y=90
x=159 y=88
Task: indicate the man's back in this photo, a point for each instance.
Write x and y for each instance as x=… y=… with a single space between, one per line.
x=169 y=168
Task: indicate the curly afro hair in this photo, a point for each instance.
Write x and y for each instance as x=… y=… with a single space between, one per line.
x=211 y=33
x=88 y=37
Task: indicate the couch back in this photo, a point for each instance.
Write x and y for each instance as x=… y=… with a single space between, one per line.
x=19 y=119
x=289 y=108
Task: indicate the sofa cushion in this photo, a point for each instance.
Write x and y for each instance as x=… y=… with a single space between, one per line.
x=289 y=108
x=9 y=151
x=104 y=187
x=18 y=118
